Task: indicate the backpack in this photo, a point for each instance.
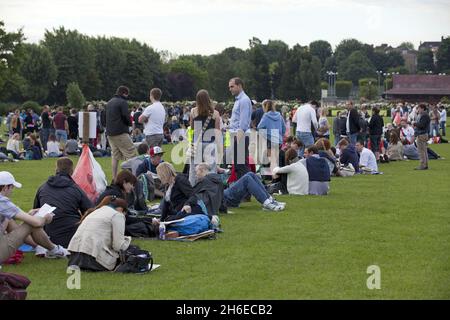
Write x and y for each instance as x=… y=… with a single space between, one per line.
x=13 y=286
x=135 y=260
x=192 y=224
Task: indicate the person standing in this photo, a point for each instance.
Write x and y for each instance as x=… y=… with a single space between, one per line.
x=443 y=119
x=72 y=121
x=336 y=128
x=353 y=124
x=153 y=119
x=239 y=125
x=434 y=119
x=118 y=122
x=46 y=126
x=306 y=118
x=422 y=126
x=376 y=125
x=61 y=125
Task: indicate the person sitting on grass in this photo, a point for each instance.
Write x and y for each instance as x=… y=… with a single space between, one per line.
x=13 y=147
x=122 y=187
x=100 y=236
x=395 y=147
x=70 y=200
x=53 y=147
x=348 y=154
x=13 y=235
x=318 y=172
x=71 y=148
x=135 y=162
x=367 y=160
x=156 y=153
x=297 y=181
x=297 y=145
x=250 y=185
x=34 y=150
x=324 y=147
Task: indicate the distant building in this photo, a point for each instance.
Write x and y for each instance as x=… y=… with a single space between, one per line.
x=419 y=88
x=433 y=46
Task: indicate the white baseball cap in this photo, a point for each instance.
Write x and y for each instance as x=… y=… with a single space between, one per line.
x=7 y=178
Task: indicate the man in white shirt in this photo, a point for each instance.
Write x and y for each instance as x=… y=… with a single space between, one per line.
x=305 y=116
x=366 y=158
x=153 y=119
x=443 y=119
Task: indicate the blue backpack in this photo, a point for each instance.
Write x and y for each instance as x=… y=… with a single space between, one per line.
x=192 y=224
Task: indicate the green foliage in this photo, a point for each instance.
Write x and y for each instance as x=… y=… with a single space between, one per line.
x=368 y=88
x=39 y=72
x=259 y=77
x=443 y=56
x=355 y=67
x=75 y=97
x=185 y=78
x=32 y=105
x=389 y=83
x=321 y=49
x=343 y=88
x=406 y=46
x=324 y=85
x=425 y=60
x=445 y=100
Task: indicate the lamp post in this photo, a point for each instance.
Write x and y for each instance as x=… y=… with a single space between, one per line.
x=332 y=76
x=386 y=75
x=428 y=72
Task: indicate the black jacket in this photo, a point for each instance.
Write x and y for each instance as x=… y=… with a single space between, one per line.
x=180 y=195
x=423 y=124
x=376 y=125
x=62 y=192
x=117 y=117
x=354 y=121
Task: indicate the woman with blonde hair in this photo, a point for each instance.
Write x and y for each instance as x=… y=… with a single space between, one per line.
x=100 y=237
x=179 y=200
x=324 y=127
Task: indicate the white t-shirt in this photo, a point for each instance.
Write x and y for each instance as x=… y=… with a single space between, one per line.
x=305 y=115
x=53 y=146
x=13 y=145
x=408 y=133
x=367 y=159
x=156 y=115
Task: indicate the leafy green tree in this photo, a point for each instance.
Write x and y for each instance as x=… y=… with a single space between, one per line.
x=343 y=88
x=355 y=67
x=220 y=70
x=425 y=60
x=368 y=88
x=443 y=56
x=259 y=82
x=11 y=57
x=346 y=47
x=406 y=46
x=39 y=72
x=185 y=78
x=75 y=97
x=74 y=56
x=321 y=49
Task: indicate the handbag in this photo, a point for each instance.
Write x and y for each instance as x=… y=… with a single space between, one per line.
x=135 y=260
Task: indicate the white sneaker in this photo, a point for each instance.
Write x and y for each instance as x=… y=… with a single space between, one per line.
x=273 y=206
x=57 y=252
x=40 y=252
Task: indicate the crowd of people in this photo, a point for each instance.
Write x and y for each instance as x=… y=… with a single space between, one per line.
x=256 y=151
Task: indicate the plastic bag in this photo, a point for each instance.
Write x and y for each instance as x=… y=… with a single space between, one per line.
x=89 y=175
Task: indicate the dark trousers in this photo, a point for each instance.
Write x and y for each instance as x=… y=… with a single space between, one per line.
x=241 y=168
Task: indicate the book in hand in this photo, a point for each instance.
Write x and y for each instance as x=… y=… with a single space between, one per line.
x=44 y=210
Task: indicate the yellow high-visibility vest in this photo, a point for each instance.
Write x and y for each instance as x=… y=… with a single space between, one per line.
x=227 y=142
x=190 y=134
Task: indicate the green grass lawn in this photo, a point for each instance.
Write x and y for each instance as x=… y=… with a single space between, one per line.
x=318 y=248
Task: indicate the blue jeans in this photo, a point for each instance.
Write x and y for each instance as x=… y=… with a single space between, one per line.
x=249 y=184
x=434 y=129
x=353 y=137
x=61 y=135
x=443 y=123
x=306 y=138
x=45 y=132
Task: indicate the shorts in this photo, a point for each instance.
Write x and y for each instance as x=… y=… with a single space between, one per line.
x=11 y=241
x=154 y=140
x=122 y=147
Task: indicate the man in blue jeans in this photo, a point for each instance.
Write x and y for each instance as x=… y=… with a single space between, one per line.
x=250 y=185
x=306 y=117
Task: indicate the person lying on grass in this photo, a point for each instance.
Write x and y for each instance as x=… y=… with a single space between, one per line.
x=13 y=235
x=100 y=237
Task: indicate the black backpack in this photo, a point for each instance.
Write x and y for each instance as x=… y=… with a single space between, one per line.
x=135 y=260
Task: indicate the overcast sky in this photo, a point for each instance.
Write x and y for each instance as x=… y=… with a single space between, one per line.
x=209 y=26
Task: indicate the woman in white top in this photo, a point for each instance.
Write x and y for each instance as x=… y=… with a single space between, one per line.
x=324 y=127
x=13 y=146
x=53 y=147
x=100 y=237
x=297 y=175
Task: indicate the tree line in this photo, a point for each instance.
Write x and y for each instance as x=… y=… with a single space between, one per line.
x=98 y=65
